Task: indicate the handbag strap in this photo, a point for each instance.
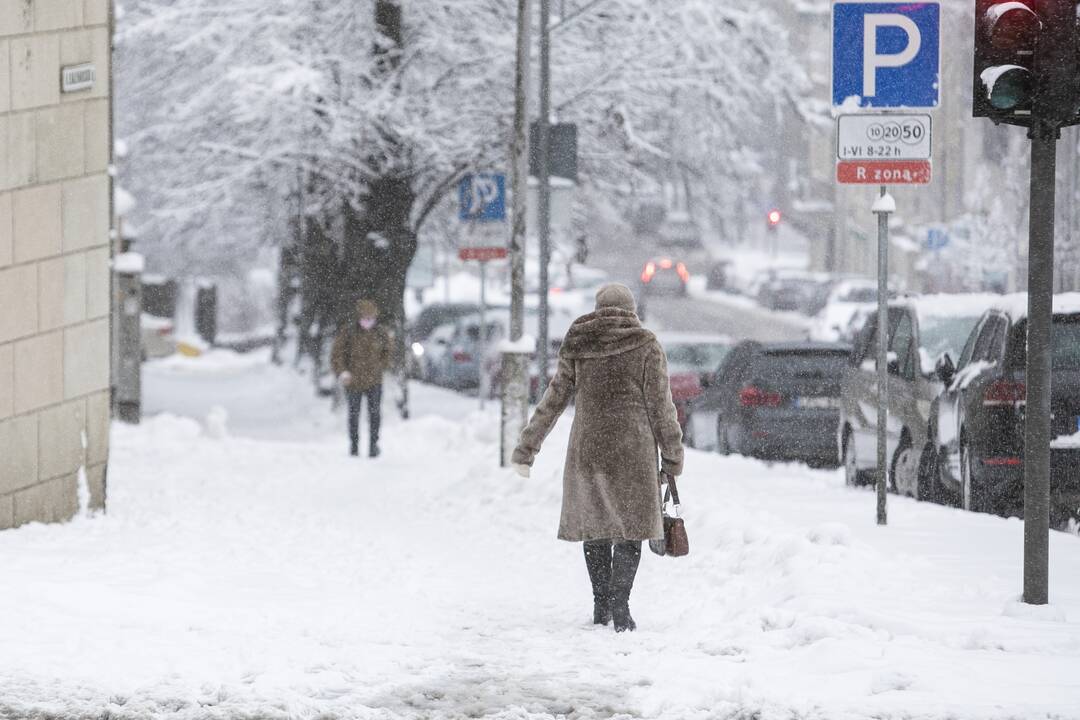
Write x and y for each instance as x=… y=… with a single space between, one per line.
x=671 y=493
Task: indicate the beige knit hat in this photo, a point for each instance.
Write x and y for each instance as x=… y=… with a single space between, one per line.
x=615 y=295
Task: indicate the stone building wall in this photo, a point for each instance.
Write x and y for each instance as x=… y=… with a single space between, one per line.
x=54 y=258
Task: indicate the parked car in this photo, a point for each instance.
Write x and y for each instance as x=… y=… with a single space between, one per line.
x=846 y=300
x=921 y=330
x=428 y=353
x=458 y=366
x=681 y=230
x=559 y=321
x=978 y=422
x=693 y=360
x=795 y=292
x=779 y=401
x=156 y=336
x=421 y=327
x=757 y=287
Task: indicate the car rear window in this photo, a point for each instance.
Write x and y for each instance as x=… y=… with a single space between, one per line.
x=939 y=335
x=1066 y=343
x=859 y=295
x=775 y=365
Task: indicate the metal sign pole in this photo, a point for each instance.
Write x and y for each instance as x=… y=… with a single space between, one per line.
x=513 y=375
x=883 y=206
x=544 y=137
x=482 y=354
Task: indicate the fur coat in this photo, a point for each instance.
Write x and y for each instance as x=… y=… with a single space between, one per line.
x=616 y=373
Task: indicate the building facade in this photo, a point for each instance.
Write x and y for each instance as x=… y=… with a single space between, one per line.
x=55 y=143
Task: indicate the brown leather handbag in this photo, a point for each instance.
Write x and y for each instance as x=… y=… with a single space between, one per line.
x=675 y=542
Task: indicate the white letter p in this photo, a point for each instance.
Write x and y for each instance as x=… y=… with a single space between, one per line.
x=872 y=61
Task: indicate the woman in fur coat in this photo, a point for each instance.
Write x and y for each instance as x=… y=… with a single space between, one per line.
x=616 y=373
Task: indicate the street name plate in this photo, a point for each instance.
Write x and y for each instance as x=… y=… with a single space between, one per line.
x=883 y=137
x=77 y=77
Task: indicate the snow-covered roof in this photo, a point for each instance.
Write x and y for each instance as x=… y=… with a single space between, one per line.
x=971 y=304
x=950 y=304
x=1015 y=305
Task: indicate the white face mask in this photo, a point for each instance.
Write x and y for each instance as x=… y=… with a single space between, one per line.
x=367 y=323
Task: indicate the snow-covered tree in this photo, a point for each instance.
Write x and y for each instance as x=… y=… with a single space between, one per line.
x=359 y=117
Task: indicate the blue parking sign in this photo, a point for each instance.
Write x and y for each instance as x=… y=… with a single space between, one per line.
x=482 y=197
x=886 y=55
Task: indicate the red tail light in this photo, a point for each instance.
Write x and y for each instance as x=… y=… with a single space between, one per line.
x=683 y=272
x=647 y=274
x=1004 y=393
x=462 y=357
x=756 y=397
x=665 y=264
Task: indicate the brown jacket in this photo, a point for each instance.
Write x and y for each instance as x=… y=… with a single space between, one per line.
x=616 y=372
x=365 y=354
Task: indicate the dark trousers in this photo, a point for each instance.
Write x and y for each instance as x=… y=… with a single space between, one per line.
x=374 y=406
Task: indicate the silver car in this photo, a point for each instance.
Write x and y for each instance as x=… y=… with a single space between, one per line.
x=921 y=330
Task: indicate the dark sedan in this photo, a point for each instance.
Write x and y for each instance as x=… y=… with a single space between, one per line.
x=780 y=401
x=980 y=416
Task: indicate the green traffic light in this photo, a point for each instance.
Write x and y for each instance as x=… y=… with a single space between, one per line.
x=1008 y=87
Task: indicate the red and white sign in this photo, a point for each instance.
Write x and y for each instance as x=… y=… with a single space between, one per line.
x=883 y=172
x=482 y=254
x=883 y=149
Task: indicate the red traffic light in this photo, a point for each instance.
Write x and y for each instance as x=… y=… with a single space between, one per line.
x=1012 y=26
x=775 y=217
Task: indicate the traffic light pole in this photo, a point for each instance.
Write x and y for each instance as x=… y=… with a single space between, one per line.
x=515 y=363
x=1039 y=365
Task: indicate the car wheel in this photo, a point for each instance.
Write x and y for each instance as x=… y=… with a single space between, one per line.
x=902 y=470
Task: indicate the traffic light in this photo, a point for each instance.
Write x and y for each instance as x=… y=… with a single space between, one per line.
x=774 y=218
x=1026 y=61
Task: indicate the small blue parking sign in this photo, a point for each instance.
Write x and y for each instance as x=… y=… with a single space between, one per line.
x=886 y=55
x=482 y=197
x=937 y=239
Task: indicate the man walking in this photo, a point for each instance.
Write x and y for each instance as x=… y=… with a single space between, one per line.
x=360 y=356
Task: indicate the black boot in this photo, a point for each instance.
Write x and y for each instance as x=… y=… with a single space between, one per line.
x=624 y=565
x=598 y=561
x=354 y=449
x=373 y=451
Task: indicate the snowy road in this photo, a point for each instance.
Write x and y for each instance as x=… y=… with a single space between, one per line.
x=257 y=577
x=733 y=316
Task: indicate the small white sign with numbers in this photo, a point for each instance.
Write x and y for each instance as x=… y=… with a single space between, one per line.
x=883 y=137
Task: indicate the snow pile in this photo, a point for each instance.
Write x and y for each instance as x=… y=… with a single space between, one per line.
x=239 y=577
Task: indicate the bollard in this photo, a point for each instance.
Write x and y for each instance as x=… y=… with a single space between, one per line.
x=127 y=340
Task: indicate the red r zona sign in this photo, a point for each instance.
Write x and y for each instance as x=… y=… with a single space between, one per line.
x=883 y=172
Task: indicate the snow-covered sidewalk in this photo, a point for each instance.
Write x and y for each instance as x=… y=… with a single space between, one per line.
x=256 y=577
